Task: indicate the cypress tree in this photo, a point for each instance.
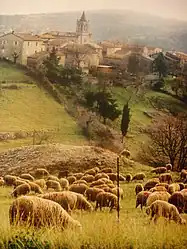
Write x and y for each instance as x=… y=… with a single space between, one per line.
x=125 y=120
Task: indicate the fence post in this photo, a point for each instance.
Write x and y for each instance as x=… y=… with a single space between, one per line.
x=34 y=137
x=118 y=196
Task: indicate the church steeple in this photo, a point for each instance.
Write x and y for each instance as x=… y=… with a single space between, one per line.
x=83 y=29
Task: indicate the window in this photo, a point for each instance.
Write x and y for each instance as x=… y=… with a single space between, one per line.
x=36 y=43
x=28 y=43
x=16 y=43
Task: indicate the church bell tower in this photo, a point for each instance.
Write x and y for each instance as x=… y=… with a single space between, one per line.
x=84 y=36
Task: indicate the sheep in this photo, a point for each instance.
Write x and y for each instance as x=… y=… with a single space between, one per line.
x=169 y=166
x=71 y=179
x=185 y=200
x=18 y=182
x=63 y=174
x=162 y=195
x=160 y=208
x=115 y=192
x=165 y=185
x=105 y=187
x=91 y=193
x=139 y=176
x=82 y=203
x=40 y=173
x=41 y=183
x=141 y=198
x=54 y=185
x=53 y=178
x=9 y=180
x=177 y=199
x=90 y=172
x=38 y=212
x=113 y=177
x=105 y=199
x=110 y=185
x=88 y=178
x=97 y=169
x=139 y=187
x=80 y=181
x=100 y=176
x=174 y=187
x=128 y=177
x=78 y=188
x=106 y=170
x=27 y=177
x=2 y=182
x=35 y=188
x=182 y=185
x=64 y=183
x=159 y=170
x=107 y=181
x=158 y=189
x=97 y=183
x=125 y=153
x=78 y=176
x=150 y=184
x=183 y=174
x=166 y=177
x=22 y=189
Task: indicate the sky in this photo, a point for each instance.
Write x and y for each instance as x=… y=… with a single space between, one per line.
x=166 y=8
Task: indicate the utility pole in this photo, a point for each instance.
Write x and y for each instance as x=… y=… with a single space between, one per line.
x=118 y=196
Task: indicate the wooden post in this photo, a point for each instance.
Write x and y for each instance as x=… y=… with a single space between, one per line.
x=34 y=136
x=118 y=196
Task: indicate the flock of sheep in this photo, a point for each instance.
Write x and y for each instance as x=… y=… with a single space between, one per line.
x=163 y=197
x=42 y=199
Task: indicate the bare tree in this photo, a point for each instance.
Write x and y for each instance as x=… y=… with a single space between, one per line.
x=15 y=56
x=169 y=140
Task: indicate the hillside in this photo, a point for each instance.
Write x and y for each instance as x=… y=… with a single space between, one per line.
x=106 y=24
x=28 y=108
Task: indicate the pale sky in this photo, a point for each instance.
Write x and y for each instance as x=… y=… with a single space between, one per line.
x=166 y=8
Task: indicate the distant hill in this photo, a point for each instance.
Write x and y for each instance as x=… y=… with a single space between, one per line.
x=107 y=24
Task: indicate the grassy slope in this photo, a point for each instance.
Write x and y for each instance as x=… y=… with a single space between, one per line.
x=101 y=230
x=32 y=108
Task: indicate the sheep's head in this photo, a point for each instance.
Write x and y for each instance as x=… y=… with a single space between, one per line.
x=148 y=210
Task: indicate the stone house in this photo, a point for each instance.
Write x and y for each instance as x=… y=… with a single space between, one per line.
x=148 y=51
x=21 y=44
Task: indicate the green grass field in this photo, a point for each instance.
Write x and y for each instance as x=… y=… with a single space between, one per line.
x=101 y=229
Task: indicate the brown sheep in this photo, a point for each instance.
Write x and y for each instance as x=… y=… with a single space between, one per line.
x=78 y=176
x=18 y=182
x=115 y=192
x=183 y=174
x=35 y=188
x=53 y=178
x=113 y=177
x=158 y=189
x=90 y=172
x=166 y=177
x=185 y=200
x=125 y=153
x=22 y=189
x=41 y=183
x=27 y=177
x=138 y=188
x=161 y=208
x=40 y=173
x=128 y=177
x=106 y=170
x=139 y=176
x=141 y=198
x=162 y=195
x=100 y=176
x=2 y=182
x=91 y=193
x=97 y=169
x=63 y=173
x=54 y=185
x=71 y=179
x=169 y=166
x=105 y=199
x=97 y=183
x=177 y=199
x=107 y=181
x=9 y=180
x=80 y=181
x=78 y=188
x=88 y=178
x=182 y=185
x=64 y=183
x=150 y=184
x=163 y=184
x=38 y=212
x=174 y=187
x=159 y=170
x=82 y=203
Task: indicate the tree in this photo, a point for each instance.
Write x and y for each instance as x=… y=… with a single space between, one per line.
x=15 y=56
x=125 y=120
x=133 y=64
x=160 y=65
x=169 y=140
